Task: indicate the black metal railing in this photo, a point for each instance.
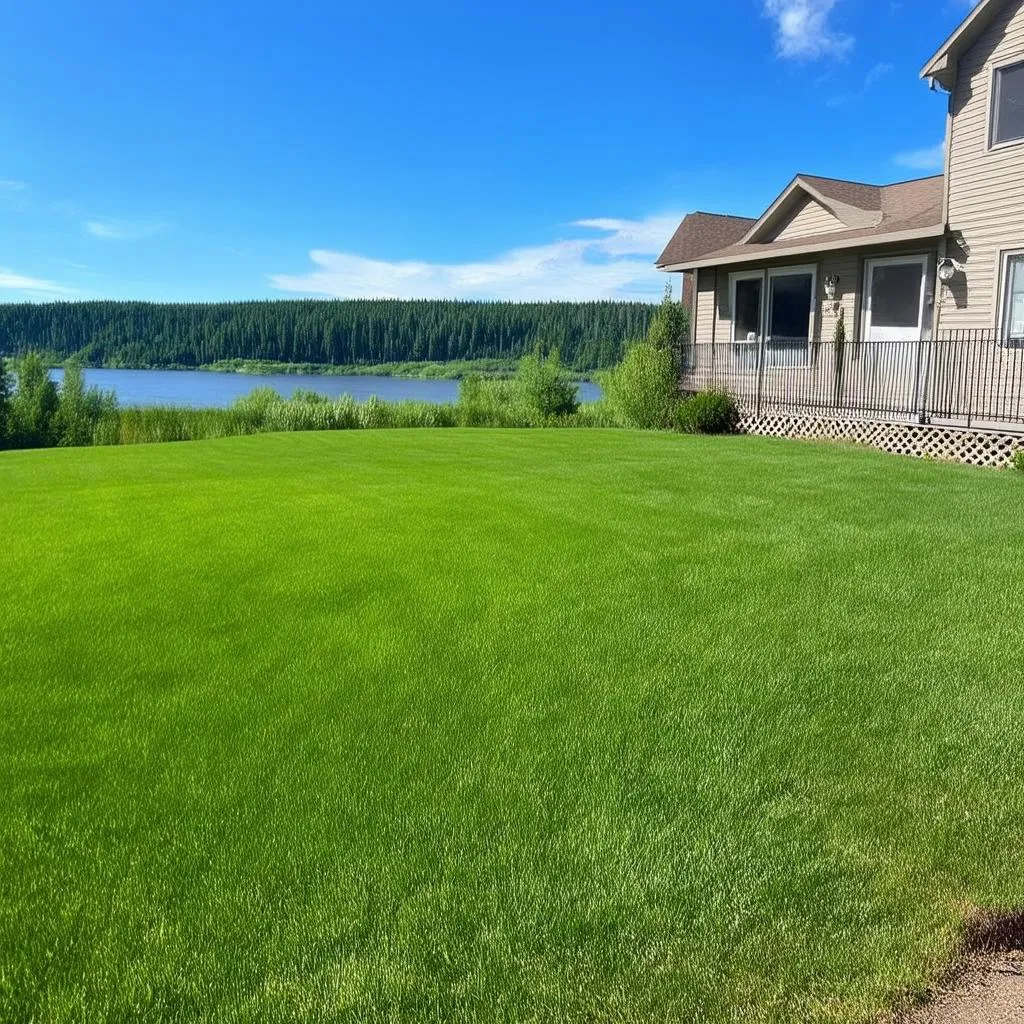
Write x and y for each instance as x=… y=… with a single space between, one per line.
x=969 y=378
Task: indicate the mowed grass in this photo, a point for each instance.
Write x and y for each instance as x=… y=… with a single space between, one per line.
x=501 y=726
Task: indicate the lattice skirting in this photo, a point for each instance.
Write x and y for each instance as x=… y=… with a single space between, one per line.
x=975 y=447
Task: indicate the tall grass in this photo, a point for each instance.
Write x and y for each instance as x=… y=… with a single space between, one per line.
x=482 y=403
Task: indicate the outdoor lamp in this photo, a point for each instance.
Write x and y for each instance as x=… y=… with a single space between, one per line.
x=831 y=287
x=948 y=267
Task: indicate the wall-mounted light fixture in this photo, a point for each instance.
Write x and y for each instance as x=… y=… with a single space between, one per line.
x=831 y=284
x=949 y=268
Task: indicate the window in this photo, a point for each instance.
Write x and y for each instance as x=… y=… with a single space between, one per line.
x=1008 y=104
x=790 y=300
x=747 y=290
x=1013 y=298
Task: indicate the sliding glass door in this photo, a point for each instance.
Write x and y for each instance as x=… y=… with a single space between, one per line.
x=783 y=321
x=788 y=337
x=747 y=313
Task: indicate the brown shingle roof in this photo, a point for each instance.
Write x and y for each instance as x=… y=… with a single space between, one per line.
x=702 y=233
x=852 y=193
x=907 y=206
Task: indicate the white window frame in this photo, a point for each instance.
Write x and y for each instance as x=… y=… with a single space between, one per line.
x=745 y=275
x=993 y=88
x=887 y=261
x=812 y=320
x=1002 y=290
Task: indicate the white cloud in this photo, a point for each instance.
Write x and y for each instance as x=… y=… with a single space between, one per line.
x=803 y=30
x=931 y=158
x=618 y=264
x=124 y=231
x=11 y=185
x=877 y=73
x=33 y=285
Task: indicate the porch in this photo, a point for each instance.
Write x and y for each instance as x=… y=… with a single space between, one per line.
x=964 y=379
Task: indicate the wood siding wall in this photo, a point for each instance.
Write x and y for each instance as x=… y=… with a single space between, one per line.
x=703 y=328
x=986 y=186
x=809 y=218
x=714 y=313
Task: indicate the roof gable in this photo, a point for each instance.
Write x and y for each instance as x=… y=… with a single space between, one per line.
x=837 y=206
x=901 y=212
x=942 y=65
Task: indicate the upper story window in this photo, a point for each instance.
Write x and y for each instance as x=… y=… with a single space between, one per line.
x=1008 y=104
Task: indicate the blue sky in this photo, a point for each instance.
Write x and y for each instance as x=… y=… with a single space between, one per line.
x=204 y=151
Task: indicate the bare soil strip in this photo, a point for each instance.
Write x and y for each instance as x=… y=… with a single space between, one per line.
x=987 y=987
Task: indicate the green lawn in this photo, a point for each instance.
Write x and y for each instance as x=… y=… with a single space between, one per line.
x=501 y=726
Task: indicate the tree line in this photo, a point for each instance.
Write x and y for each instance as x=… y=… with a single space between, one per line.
x=589 y=335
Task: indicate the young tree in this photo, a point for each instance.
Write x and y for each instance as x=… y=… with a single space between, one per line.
x=543 y=386
x=77 y=408
x=670 y=327
x=643 y=389
x=5 y=403
x=34 y=405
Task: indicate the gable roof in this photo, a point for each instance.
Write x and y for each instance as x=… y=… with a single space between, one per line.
x=942 y=66
x=854 y=204
x=905 y=210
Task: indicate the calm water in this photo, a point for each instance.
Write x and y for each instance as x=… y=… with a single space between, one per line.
x=201 y=388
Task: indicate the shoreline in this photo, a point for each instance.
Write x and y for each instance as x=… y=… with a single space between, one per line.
x=426 y=370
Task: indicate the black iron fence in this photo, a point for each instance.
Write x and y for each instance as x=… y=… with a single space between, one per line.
x=967 y=378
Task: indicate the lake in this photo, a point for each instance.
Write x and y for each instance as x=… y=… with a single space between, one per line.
x=203 y=388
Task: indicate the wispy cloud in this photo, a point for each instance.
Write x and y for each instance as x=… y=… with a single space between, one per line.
x=12 y=185
x=930 y=158
x=35 y=286
x=803 y=30
x=873 y=76
x=123 y=230
x=877 y=73
x=616 y=264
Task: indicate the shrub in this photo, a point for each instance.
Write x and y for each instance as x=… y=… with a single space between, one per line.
x=79 y=409
x=543 y=387
x=708 y=412
x=251 y=411
x=643 y=389
x=670 y=325
x=490 y=403
x=34 y=405
x=1018 y=460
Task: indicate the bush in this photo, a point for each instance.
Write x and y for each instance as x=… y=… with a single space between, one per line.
x=643 y=389
x=708 y=412
x=670 y=326
x=79 y=409
x=490 y=403
x=34 y=406
x=543 y=387
x=1018 y=460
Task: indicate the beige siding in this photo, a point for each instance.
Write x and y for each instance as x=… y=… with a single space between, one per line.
x=714 y=315
x=986 y=187
x=848 y=266
x=704 y=320
x=809 y=218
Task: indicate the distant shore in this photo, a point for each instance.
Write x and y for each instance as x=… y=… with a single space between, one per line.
x=424 y=370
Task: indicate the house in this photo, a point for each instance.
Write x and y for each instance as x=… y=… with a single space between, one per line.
x=895 y=300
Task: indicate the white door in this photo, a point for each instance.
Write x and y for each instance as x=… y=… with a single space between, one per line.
x=894 y=293
x=888 y=370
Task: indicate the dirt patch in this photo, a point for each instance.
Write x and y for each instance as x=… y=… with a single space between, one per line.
x=987 y=985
